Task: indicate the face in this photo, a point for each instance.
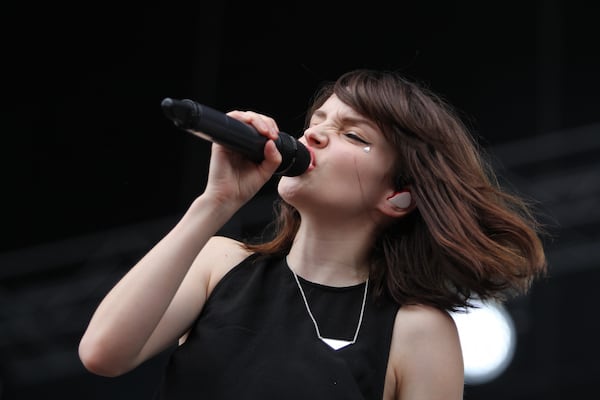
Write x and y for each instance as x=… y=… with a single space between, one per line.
x=352 y=164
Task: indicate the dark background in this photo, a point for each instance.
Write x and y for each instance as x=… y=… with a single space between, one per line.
x=93 y=174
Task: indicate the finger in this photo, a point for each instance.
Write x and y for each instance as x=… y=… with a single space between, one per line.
x=263 y=124
x=272 y=156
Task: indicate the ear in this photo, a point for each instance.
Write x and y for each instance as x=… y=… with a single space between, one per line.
x=398 y=203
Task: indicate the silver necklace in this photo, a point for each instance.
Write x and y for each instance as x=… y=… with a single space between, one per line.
x=335 y=344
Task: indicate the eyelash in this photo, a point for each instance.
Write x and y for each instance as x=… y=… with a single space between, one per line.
x=354 y=136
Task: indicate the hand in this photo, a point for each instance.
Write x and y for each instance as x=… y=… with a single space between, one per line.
x=232 y=178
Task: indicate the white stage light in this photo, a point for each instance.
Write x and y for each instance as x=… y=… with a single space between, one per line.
x=487 y=336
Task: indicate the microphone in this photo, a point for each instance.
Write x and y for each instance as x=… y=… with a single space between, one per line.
x=218 y=127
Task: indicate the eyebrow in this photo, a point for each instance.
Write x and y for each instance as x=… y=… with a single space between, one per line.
x=349 y=120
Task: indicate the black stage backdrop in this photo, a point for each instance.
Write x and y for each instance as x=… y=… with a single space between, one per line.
x=93 y=173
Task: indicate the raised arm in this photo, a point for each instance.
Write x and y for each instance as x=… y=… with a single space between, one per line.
x=157 y=300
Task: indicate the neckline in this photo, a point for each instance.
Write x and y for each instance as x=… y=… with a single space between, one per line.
x=323 y=286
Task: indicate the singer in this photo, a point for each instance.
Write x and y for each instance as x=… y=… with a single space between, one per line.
x=396 y=221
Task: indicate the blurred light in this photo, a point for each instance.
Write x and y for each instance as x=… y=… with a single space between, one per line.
x=487 y=336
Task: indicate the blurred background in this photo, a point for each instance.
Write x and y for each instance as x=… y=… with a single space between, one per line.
x=93 y=174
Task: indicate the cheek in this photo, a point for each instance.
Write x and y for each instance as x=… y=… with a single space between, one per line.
x=372 y=177
x=356 y=170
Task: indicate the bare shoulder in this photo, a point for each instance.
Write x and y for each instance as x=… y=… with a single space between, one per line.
x=425 y=355
x=224 y=245
x=421 y=330
x=219 y=256
x=421 y=321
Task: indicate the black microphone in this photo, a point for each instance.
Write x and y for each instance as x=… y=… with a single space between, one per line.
x=218 y=127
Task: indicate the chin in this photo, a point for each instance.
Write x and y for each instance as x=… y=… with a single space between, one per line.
x=291 y=190
x=287 y=190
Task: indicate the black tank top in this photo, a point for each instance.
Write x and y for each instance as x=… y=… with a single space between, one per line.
x=254 y=339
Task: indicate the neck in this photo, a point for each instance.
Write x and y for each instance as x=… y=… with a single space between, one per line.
x=331 y=255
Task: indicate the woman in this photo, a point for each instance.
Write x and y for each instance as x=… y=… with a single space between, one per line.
x=397 y=221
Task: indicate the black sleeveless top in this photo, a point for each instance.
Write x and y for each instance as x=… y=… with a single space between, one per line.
x=254 y=339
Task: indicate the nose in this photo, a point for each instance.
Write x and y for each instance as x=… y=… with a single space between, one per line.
x=315 y=138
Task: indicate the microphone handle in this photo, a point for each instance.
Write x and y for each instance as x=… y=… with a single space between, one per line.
x=217 y=127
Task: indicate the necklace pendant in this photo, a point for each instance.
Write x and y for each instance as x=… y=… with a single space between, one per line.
x=336 y=344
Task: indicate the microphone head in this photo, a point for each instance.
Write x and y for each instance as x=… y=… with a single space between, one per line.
x=167 y=107
x=181 y=112
x=295 y=156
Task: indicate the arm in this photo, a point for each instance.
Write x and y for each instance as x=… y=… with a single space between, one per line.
x=425 y=357
x=157 y=300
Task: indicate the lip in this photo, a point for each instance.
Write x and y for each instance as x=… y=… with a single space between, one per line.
x=313 y=162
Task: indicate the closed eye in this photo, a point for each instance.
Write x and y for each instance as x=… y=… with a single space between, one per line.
x=355 y=137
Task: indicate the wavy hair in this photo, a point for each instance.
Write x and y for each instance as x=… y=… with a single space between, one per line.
x=467 y=237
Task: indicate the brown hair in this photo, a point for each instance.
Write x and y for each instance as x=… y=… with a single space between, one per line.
x=467 y=236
